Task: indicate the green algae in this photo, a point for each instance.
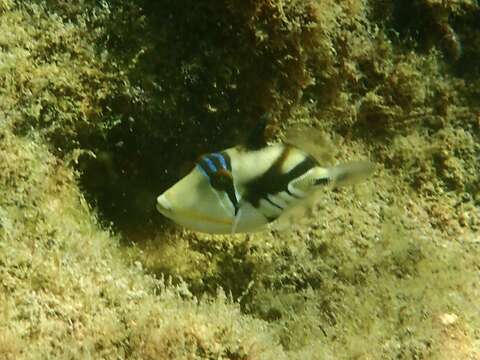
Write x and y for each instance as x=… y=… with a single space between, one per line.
x=67 y=291
x=105 y=104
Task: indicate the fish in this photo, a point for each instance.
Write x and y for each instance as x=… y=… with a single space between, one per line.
x=244 y=188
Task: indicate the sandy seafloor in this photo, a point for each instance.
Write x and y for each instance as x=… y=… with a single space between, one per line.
x=105 y=104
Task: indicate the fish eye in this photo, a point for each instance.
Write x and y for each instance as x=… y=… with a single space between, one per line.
x=221 y=180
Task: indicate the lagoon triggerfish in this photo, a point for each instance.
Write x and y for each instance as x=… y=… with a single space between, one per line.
x=243 y=188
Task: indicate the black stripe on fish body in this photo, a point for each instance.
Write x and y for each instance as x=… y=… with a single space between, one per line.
x=273 y=203
x=286 y=198
x=271 y=218
x=287 y=190
x=269 y=209
x=322 y=181
x=274 y=180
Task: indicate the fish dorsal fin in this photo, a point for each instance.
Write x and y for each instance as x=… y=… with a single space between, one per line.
x=256 y=138
x=313 y=141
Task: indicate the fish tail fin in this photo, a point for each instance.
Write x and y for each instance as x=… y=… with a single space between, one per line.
x=350 y=173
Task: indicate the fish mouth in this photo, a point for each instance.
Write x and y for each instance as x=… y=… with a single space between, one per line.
x=163 y=205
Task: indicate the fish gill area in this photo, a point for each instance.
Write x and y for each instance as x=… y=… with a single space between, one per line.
x=105 y=104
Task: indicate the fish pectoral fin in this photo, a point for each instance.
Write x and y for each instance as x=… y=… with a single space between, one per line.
x=351 y=173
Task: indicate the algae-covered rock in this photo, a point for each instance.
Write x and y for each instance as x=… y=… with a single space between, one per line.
x=105 y=104
x=67 y=292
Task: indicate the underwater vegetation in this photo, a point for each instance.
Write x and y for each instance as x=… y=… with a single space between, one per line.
x=106 y=104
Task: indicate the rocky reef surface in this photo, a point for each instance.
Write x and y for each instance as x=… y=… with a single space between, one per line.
x=104 y=104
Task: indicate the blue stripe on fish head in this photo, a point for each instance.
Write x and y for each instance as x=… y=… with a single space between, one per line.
x=210 y=164
x=202 y=170
x=221 y=157
x=207 y=166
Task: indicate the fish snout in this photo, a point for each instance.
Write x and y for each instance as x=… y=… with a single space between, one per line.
x=164 y=206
